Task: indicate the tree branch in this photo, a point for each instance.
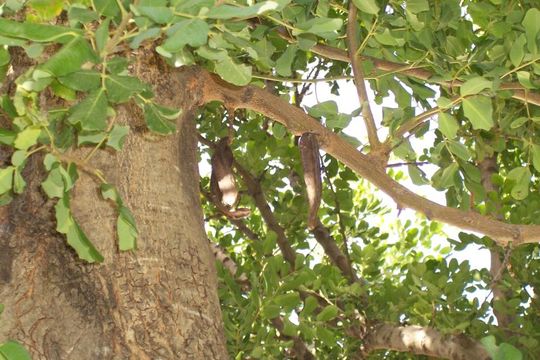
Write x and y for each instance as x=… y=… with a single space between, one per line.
x=329 y=52
x=352 y=44
x=488 y=167
x=323 y=237
x=211 y=88
x=301 y=352
x=423 y=341
x=256 y=192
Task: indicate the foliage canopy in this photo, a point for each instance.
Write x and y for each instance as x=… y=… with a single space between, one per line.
x=464 y=76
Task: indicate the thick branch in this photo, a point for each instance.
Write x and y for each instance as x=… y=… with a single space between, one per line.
x=329 y=52
x=358 y=72
x=298 y=122
x=488 y=167
x=423 y=341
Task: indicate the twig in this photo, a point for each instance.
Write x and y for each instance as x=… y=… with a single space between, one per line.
x=329 y=52
x=256 y=192
x=340 y=219
x=417 y=163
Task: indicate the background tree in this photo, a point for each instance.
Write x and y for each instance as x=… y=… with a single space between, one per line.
x=342 y=278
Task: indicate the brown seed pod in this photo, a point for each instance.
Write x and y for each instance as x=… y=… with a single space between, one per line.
x=309 y=152
x=222 y=183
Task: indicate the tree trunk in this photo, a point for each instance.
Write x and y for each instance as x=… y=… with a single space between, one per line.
x=159 y=302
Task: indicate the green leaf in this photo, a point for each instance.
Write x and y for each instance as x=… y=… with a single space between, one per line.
x=230 y=71
x=7 y=137
x=508 y=352
x=81 y=14
x=18 y=158
x=326 y=108
x=91 y=113
x=84 y=248
x=310 y=304
x=326 y=336
x=519 y=122
x=85 y=138
x=49 y=161
x=117 y=136
x=12 y=350
x=339 y=121
x=231 y=11
x=144 y=35
x=70 y=57
x=368 y=6
x=319 y=26
x=121 y=88
x=109 y=192
x=288 y=301
x=160 y=119
x=389 y=38
x=328 y=313
x=516 y=51
x=83 y=80
x=416 y=6
x=490 y=345
x=35 y=50
x=459 y=150
x=4 y=56
x=18 y=182
x=102 y=35
x=521 y=176
x=444 y=103
x=158 y=14
x=6 y=179
x=524 y=78
x=278 y=130
x=479 y=111
x=54 y=185
x=474 y=86
x=75 y=236
x=27 y=138
x=107 y=7
x=283 y=64
x=447 y=177
x=63 y=91
x=127 y=230
x=536 y=156
x=448 y=125
x=38 y=32
x=532 y=28
x=44 y=9
x=271 y=311
x=192 y=32
x=418 y=177
x=7 y=105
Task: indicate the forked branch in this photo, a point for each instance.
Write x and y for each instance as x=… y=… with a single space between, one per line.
x=211 y=88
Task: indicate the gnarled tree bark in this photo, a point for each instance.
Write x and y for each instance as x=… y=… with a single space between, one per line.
x=159 y=302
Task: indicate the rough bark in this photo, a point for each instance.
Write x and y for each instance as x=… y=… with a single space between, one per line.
x=423 y=341
x=159 y=302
